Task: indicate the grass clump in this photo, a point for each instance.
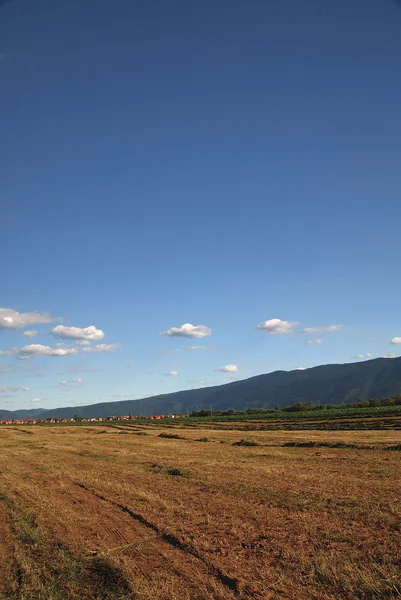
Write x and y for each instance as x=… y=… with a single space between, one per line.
x=244 y=442
x=202 y=439
x=171 y=436
x=167 y=470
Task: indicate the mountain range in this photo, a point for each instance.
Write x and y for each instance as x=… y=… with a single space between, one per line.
x=325 y=384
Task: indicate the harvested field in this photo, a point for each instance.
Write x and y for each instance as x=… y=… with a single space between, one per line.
x=86 y=512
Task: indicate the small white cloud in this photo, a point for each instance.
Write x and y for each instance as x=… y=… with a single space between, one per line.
x=7 y=352
x=389 y=355
x=83 y=343
x=172 y=374
x=35 y=350
x=130 y=365
x=228 y=369
x=36 y=400
x=194 y=348
x=276 y=326
x=75 y=381
x=312 y=342
x=396 y=340
x=31 y=333
x=300 y=368
x=11 y=319
x=362 y=356
x=188 y=330
x=325 y=329
x=102 y=348
x=78 y=333
x=13 y=388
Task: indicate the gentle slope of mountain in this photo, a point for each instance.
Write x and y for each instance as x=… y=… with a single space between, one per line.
x=326 y=384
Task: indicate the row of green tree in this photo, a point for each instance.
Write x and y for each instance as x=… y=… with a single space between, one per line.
x=300 y=407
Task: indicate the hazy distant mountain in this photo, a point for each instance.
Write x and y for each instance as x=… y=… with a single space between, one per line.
x=327 y=384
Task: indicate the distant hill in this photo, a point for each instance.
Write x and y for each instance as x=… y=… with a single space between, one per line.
x=326 y=384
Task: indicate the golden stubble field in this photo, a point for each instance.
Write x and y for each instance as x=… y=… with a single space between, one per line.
x=119 y=512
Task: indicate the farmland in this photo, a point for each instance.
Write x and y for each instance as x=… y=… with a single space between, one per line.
x=200 y=511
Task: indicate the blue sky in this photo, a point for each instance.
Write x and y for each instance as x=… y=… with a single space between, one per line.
x=220 y=164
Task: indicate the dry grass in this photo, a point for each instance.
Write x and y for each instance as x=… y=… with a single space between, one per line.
x=113 y=516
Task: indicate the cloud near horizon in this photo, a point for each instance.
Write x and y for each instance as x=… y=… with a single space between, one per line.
x=194 y=348
x=67 y=382
x=35 y=350
x=13 y=388
x=324 y=329
x=8 y=352
x=362 y=356
x=312 y=342
x=11 y=319
x=102 y=348
x=276 y=326
x=228 y=369
x=78 y=333
x=396 y=340
x=188 y=330
x=172 y=374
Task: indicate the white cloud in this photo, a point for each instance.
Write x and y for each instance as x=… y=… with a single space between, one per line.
x=83 y=343
x=389 y=355
x=13 y=388
x=276 y=326
x=172 y=374
x=300 y=368
x=7 y=352
x=325 y=329
x=228 y=369
x=188 y=330
x=67 y=382
x=362 y=356
x=130 y=365
x=194 y=348
x=8 y=368
x=30 y=333
x=102 y=348
x=36 y=400
x=396 y=340
x=35 y=350
x=78 y=369
x=11 y=319
x=312 y=342
x=78 y=333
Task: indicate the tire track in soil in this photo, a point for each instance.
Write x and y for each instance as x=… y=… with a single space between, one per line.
x=229 y=582
x=142 y=551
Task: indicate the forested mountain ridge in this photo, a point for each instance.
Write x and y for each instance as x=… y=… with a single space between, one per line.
x=325 y=384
